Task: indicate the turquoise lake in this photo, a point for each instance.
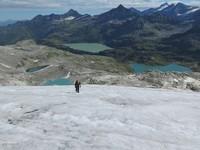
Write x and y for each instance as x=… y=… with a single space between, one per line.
x=141 y=68
x=88 y=47
x=59 y=82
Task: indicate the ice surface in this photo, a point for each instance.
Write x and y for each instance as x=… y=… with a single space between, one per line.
x=99 y=118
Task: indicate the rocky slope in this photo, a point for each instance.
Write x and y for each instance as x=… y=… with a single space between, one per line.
x=172 y=80
x=16 y=60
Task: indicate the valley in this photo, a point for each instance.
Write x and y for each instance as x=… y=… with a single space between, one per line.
x=48 y=48
x=27 y=63
x=162 y=35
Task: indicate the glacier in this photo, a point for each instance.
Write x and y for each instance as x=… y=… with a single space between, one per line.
x=99 y=118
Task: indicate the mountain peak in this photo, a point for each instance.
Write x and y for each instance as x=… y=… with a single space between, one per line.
x=180 y=4
x=164 y=4
x=118 y=13
x=73 y=13
x=121 y=7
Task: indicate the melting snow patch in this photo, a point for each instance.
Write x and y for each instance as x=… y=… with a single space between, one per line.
x=36 y=61
x=193 y=10
x=69 y=18
x=4 y=65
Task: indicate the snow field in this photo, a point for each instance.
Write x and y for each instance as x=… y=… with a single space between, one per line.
x=100 y=117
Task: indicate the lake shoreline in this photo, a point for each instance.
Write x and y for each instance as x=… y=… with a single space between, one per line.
x=171 y=67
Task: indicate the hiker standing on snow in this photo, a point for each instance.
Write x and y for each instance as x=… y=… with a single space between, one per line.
x=77 y=85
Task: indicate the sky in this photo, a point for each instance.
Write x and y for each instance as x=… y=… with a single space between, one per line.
x=27 y=9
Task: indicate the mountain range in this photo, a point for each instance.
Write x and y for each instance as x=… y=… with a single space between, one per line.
x=170 y=32
x=7 y=22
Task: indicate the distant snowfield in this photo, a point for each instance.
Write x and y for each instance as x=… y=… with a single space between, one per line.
x=99 y=118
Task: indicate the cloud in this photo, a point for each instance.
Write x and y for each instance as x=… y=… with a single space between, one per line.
x=29 y=4
x=87 y=4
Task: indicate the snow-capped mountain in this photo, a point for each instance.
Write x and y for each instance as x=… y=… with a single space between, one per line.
x=179 y=9
x=173 y=10
x=162 y=7
x=154 y=10
x=118 y=28
x=70 y=15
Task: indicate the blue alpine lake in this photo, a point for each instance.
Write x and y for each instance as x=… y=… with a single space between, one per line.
x=88 y=47
x=59 y=82
x=141 y=68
